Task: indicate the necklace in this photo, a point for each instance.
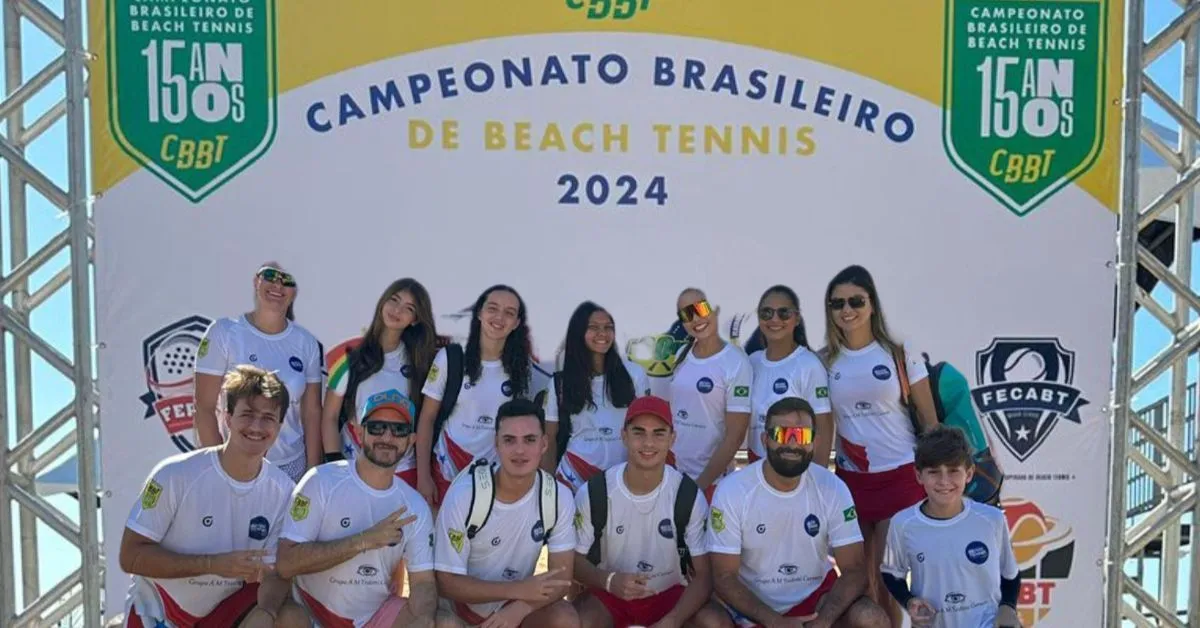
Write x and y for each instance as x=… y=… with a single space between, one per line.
x=653 y=503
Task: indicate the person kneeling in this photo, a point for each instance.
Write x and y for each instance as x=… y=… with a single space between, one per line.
x=640 y=529
x=492 y=525
x=352 y=526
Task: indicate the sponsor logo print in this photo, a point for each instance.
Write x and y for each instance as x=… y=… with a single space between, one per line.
x=788 y=570
x=780 y=386
x=296 y=364
x=977 y=552
x=666 y=529
x=812 y=525
x=538 y=533
x=169 y=358
x=1024 y=388
x=881 y=372
x=260 y=527
x=704 y=385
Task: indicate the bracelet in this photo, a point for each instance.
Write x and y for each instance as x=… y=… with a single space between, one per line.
x=608 y=582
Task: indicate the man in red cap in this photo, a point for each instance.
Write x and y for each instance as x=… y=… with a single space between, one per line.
x=351 y=527
x=640 y=530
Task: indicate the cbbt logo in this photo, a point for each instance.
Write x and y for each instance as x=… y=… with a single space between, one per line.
x=538 y=532
x=881 y=372
x=1045 y=549
x=1024 y=387
x=977 y=552
x=169 y=358
x=506 y=388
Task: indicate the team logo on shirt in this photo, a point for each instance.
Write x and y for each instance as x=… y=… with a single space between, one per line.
x=704 y=385
x=977 y=552
x=433 y=374
x=456 y=539
x=151 y=494
x=578 y=520
x=780 y=386
x=299 y=510
x=169 y=359
x=665 y=529
x=1045 y=549
x=881 y=372
x=718 y=520
x=296 y=364
x=1024 y=388
x=812 y=525
x=259 y=528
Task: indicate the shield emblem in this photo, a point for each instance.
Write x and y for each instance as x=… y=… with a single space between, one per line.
x=1024 y=388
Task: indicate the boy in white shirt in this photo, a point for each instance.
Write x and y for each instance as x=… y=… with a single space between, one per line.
x=200 y=541
x=485 y=573
x=964 y=573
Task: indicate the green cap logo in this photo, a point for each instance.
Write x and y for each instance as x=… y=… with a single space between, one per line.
x=192 y=88
x=1024 y=94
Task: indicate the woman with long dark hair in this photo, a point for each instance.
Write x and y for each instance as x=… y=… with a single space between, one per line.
x=876 y=434
x=787 y=367
x=268 y=338
x=586 y=402
x=396 y=352
x=710 y=395
x=496 y=367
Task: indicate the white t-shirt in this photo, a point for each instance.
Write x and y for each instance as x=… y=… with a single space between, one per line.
x=470 y=431
x=595 y=433
x=874 y=431
x=785 y=539
x=393 y=374
x=332 y=502
x=293 y=354
x=800 y=374
x=956 y=563
x=639 y=536
x=507 y=547
x=703 y=390
x=189 y=505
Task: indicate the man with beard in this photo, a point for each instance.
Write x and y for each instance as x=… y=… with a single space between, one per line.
x=631 y=564
x=351 y=525
x=199 y=541
x=773 y=527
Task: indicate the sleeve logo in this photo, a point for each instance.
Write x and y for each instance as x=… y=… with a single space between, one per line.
x=456 y=539
x=718 y=520
x=578 y=521
x=203 y=349
x=741 y=391
x=850 y=514
x=151 y=494
x=822 y=392
x=433 y=374
x=300 y=508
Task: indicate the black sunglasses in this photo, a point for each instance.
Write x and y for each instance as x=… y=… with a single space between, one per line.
x=377 y=428
x=785 y=313
x=857 y=302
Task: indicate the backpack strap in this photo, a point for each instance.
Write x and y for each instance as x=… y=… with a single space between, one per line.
x=685 y=499
x=598 y=505
x=547 y=503
x=901 y=361
x=483 y=496
x=454 y=379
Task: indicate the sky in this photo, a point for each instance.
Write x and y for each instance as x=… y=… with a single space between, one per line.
x=52 y=390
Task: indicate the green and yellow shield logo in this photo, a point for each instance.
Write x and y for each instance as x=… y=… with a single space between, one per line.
x=300 y=508
x=456 y=539
x=151 y=494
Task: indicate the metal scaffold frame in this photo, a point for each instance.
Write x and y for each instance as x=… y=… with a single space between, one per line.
x=32 y=452
x=1126 y=599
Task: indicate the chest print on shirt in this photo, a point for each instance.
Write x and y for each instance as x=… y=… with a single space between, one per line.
x=259 y=528
x=705 y=385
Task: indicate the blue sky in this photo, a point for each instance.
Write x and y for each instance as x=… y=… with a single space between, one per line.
x=52 y=391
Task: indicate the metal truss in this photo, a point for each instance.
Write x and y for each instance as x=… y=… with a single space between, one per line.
x=1160 y=452
x=77 y=598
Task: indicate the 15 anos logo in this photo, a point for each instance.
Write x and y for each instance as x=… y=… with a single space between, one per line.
x=1025 y=385
x=609 y=9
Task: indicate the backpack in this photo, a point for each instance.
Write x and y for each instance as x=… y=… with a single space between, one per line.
x=952 y=400
x=563 y=436
x=483 y=497
x=454 y=378
x=684 y=499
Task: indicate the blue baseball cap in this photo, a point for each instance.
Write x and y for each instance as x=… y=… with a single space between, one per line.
x=390 y=398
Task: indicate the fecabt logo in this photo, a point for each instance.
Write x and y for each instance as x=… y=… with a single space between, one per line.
x=259 y=528
x=665 y=529
x=812 y=525
x=704 y=385
x=1024 y=387
x=169 y=358
x=779 y=386
x=538 y=532
x=1045 y=550
x=881 y=372
x=977 y=552
x=296 y=364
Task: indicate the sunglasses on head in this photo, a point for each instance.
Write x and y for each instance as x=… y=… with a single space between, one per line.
x=857 y=302
x=781 y=435
x=377 y=428
x=274 y=275
x=700 y=309
x=785 y=313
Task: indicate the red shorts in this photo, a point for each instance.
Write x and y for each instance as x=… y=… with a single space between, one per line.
x=878 y=496
x=803 y=609
x=643 y=612
x=229 y=612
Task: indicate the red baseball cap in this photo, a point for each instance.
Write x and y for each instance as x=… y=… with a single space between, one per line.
x=652 y=406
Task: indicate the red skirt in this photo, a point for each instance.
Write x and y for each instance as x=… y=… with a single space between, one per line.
x=878 y=496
